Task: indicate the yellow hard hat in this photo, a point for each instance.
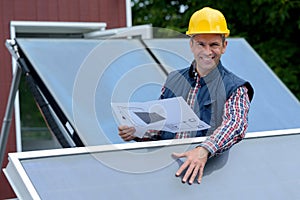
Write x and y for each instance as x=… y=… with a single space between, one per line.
x=208 y=20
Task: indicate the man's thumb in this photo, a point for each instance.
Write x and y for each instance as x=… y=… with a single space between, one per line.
x=178 y=155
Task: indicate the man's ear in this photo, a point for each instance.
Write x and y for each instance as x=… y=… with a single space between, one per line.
x=191 y=42
x=224 y=46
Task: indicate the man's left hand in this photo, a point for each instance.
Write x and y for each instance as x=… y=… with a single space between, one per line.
x=194 y=163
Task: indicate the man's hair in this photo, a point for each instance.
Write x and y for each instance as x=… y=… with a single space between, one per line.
x=223 y=38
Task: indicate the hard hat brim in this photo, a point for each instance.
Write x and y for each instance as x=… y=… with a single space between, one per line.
x=197 y=33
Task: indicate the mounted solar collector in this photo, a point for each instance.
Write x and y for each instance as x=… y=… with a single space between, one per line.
x=251 y=167
x=112 y=70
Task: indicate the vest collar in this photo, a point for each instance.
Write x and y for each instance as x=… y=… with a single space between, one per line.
x=209 y=77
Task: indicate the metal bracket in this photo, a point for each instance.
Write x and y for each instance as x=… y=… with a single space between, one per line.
x=12 y=47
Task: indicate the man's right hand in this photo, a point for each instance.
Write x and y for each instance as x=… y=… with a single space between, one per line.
x=126 y=132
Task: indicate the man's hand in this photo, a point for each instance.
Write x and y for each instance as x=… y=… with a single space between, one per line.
x=195 y=162
x=126 y=133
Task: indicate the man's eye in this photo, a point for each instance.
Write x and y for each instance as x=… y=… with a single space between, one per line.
x=214 y=45
x=200 y=43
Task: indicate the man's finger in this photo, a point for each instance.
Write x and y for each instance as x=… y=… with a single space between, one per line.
x=178 y=155
x=200 y=173
x=188 y=172
x=194 y=174
x=127 y=136
x=182 y=168
x=122 y=127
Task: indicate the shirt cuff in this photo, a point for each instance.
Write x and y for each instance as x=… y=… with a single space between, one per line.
x=210 y=146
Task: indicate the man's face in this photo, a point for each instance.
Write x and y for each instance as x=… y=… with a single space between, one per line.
x=207 y=50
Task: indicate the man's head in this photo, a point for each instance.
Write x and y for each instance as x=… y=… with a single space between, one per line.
x=208 y=30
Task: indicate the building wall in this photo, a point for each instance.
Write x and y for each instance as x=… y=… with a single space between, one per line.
x=113 y=12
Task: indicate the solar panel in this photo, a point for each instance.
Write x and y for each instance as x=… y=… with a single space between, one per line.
x=257 y=168
x=85 y=76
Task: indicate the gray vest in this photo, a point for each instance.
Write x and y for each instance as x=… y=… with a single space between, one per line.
x=215 y=90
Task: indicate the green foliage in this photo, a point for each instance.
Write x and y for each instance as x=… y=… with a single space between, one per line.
x=272 y=27
x=30 y=115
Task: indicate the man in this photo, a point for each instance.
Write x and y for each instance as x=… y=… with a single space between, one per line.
x=216 y=95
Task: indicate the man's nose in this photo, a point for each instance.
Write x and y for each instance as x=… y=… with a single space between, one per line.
x=207 y=49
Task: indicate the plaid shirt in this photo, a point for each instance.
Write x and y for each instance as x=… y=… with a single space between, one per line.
x=234 y=125
x=232 y=129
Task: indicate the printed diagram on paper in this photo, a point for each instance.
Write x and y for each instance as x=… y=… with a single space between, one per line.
x=173 y=115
